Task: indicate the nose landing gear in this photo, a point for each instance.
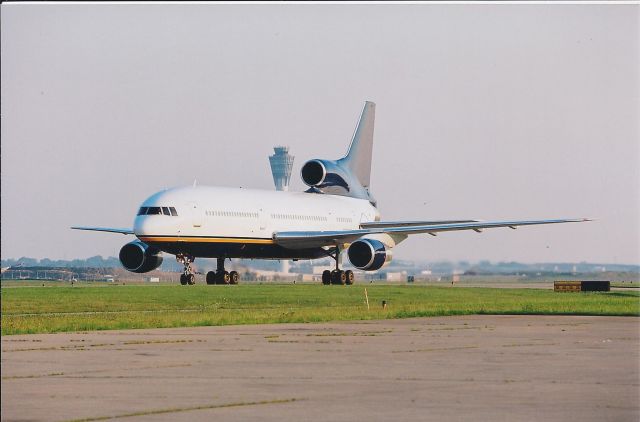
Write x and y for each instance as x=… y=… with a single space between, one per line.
x=188 y=276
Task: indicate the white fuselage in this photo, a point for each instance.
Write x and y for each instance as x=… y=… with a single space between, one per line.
x=226 y=216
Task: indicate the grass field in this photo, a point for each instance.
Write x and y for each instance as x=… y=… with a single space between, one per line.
x=58 y=309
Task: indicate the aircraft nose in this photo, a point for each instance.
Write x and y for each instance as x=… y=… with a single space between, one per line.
x=145 y=225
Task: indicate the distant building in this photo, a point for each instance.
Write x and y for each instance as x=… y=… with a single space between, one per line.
x=395 y=276
x=281 y=165
x=455 y=276
x=318 y=269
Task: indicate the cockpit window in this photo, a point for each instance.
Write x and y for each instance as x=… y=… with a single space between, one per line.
x=170 y=211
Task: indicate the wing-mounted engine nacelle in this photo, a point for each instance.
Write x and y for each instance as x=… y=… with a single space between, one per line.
x=138 y=257
x=369 y=254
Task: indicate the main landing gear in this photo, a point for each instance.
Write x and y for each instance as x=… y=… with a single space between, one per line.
x=188 y=276
x=220 y=276
x=337 y=276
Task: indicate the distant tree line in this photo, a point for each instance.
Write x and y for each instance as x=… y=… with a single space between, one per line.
x=304 y=266
x=168 y=264
x=94 y=262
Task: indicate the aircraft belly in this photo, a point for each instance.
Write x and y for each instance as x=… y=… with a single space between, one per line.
x=236 y=250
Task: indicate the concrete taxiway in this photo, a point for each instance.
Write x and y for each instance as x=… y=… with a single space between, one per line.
x=451 y=368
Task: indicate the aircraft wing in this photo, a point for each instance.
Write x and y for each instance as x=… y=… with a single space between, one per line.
x=380 y=224
x=308 y=239
x=105 y=229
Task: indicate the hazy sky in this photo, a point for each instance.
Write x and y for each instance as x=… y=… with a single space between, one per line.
x=483 y=111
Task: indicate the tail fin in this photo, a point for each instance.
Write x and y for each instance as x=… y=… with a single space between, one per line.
x=358 y=159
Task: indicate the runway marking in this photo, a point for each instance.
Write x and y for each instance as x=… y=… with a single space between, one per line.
x=185 y=409
x=529 y=344
x=82 y=347
x=340 y=334
x=72 y=374
x=435 y=349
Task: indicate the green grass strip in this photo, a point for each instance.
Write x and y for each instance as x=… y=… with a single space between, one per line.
x=32 y=310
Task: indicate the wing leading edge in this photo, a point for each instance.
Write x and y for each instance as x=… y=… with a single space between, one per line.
x=380 y=224
x=105 y=229
x=295 y=240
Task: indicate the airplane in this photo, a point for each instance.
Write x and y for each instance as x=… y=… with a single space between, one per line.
x=337 y=213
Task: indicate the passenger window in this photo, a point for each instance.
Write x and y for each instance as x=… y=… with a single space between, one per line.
x=173 y=211
x=142 y=211
x=165 y=211
x=154 y=211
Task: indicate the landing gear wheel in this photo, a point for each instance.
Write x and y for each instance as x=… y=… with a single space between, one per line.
x=338 y=277
x=234 y=277
x=349 y=275
x=223 y=277
x=211 y=277
x=326 y=277
x=187 y=276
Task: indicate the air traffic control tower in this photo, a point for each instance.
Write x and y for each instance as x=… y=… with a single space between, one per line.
x=281 y=164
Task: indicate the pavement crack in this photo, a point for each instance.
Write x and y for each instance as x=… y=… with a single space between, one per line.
x=186 y=409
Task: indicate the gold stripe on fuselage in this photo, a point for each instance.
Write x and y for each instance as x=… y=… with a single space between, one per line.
x=205 y=240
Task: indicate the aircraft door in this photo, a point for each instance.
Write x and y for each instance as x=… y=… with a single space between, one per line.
x=196 y=214
x=366 y=217
x=262 y=220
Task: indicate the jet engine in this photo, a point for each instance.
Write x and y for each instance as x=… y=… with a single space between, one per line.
x=321 y=174
x=138 y=257
x=369 y=254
